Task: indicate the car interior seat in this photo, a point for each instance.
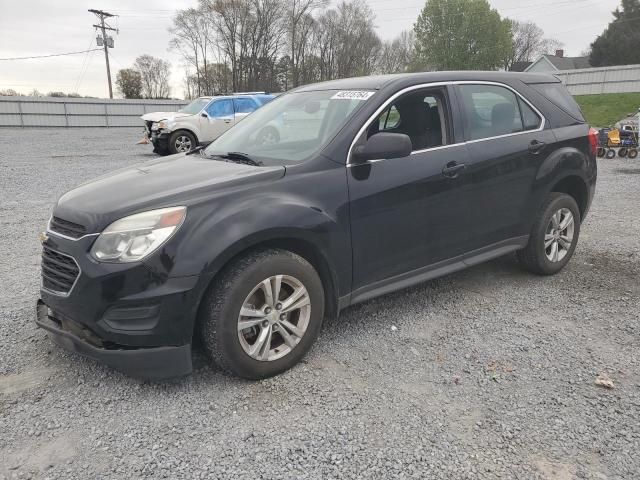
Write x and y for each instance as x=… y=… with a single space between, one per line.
x=502 y=115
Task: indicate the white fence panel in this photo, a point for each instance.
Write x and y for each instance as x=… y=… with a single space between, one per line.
x=79 y=112
x=595 y=81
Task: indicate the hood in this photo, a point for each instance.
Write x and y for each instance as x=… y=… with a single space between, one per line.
x=157 y=116
x=176 y=180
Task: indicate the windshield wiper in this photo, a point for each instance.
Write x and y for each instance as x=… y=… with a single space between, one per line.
x=239 y=157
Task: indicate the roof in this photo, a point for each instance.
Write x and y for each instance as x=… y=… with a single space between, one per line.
x=564 y=63
x=378 y=82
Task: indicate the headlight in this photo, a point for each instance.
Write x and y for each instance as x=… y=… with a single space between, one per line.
x=132 y=238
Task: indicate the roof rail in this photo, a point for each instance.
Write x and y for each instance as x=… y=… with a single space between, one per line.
x=249 y=93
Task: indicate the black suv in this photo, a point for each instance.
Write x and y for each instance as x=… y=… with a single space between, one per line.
x=372 y=184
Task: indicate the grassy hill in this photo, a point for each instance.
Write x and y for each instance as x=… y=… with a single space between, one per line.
x=606 y=109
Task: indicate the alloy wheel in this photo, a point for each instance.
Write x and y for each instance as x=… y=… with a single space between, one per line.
x=274 y=317
x=183 y=143
x=559 y=235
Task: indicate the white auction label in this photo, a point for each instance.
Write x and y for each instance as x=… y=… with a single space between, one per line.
x=353 y=95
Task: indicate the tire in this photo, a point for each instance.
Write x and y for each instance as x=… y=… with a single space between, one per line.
x=181 y=142
x=633 y=153
x=238 y=286
x=601 y=152
x=611 y=153
x=268 y=136
x=535 y=257
x=622 y=152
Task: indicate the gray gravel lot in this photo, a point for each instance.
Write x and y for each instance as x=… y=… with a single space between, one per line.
x=489 y=374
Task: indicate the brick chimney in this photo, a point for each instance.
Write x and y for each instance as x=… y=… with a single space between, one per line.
x=560 y=53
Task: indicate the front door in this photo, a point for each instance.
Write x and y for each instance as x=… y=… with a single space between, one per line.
x=218 y=119
x=409 y=213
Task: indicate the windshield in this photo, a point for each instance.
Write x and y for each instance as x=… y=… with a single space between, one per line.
x=196 y=106
x=290 y=128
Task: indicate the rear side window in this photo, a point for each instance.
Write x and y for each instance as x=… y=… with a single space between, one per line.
x=557 y=94
x=530 y=119
x=491 y=111
x=244 y=105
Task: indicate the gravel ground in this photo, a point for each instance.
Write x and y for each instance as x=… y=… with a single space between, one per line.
x=489 y=373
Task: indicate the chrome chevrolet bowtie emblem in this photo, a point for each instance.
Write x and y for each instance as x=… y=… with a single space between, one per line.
x=43 y=237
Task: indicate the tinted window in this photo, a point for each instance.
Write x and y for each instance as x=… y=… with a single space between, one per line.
x=530 y=118
x=419 y=115
x=220 y=108
x=244 y=105
x=557 y=94
x=491 y=111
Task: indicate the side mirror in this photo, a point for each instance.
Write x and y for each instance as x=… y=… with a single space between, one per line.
x=204 y=114
x=382 y=146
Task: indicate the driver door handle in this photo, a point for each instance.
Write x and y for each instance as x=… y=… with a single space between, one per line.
x=452 y=169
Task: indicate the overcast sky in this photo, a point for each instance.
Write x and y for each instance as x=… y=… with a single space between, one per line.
x=40 y=27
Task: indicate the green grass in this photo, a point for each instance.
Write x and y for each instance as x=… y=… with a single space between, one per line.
x=607 y=109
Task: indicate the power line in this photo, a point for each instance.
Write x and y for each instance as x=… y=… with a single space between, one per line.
x=48 y=56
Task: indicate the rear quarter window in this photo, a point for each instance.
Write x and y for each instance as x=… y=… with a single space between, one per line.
x=557 y=94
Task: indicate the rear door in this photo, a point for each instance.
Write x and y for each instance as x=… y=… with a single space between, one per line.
x=507 y=141
x=220 y=118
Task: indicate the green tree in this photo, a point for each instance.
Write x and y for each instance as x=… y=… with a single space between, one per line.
x=129 y=83
x=619 y=43
x=461 y=35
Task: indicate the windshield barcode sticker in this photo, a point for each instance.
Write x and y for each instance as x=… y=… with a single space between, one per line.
x=353 y=95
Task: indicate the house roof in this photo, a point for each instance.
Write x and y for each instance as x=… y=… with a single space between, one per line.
x=569 y=63
x=519 y=66
x=563 y=63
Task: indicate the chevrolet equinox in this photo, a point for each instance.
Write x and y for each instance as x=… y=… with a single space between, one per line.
x=372 y=185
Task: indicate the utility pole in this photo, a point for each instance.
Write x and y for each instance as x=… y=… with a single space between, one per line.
x=106 y=43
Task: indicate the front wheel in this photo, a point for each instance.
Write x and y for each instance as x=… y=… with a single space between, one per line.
x=181 y=142
x=554 y=236
x=263 y=314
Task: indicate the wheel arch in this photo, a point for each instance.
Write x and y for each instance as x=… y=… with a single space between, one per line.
x=300 y=246
x=576 y=187
x=188 y=130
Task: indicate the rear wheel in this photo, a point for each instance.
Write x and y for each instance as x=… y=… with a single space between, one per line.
x=623 y=152
x=633 y=153
x=611 y=153
x=181 y=141
x=263 y=314
x=601 y=152
x=554 y=236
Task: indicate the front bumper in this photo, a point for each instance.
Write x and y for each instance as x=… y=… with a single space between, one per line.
x=149 y=363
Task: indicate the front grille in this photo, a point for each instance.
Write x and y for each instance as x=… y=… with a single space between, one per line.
x=59 y=271
x=66 y=228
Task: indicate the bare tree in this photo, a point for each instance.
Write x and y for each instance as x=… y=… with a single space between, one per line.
x=300 y=23
x=528 y=43
x=155 y=74
x=396 y=55
x=191 y=37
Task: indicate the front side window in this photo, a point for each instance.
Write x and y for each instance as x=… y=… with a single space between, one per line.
x=220 y=109
x=420 y=115
x=291 y=128
x=491 y=111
